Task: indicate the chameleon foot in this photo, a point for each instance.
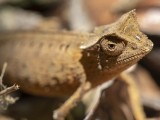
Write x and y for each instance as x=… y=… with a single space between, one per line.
x=63 y=110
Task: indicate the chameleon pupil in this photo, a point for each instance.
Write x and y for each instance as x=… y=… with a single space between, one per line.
x=111 y=46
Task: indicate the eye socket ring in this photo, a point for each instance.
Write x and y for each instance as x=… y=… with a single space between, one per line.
x=112 y=46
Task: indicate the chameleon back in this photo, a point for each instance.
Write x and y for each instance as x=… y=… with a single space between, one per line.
x=42 y=63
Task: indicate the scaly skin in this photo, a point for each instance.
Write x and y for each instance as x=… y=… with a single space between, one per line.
x=52 y=63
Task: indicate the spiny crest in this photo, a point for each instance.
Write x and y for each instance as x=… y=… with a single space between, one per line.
x=128 y=24
x=127 y=28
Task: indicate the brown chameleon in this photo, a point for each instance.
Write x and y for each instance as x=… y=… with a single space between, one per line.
x=52 y=63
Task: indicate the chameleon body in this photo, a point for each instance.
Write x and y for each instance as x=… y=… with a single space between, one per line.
x=52 y=63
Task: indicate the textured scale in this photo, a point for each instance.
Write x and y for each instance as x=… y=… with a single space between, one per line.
x=52 y=63
x=42 y=59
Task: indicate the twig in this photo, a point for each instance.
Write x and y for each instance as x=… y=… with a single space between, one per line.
x=5 y=98
x=6 y=90
x=9 y=90
x=2 y=74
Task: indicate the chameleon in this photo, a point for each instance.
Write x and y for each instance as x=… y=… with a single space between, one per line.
x=54 y=62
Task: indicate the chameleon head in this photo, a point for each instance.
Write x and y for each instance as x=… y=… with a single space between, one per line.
x=120 y=44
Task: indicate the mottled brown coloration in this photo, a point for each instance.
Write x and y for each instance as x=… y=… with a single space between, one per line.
x=52 y=63
x=44 y=63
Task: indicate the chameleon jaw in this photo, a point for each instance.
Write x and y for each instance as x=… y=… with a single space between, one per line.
x=131 y=58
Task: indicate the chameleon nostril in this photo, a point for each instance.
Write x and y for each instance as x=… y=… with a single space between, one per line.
x=134 y=46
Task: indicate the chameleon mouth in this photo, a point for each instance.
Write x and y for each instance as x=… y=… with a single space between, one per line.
x=137 y=56
x=132 y=58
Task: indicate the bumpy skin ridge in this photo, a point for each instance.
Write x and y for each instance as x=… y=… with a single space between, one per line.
x=52 y=63
x=42 y=60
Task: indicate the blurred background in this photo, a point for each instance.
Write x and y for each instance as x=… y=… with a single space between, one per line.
x=84 y=15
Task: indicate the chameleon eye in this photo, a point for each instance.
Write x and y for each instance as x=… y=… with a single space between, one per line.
x=112 y=46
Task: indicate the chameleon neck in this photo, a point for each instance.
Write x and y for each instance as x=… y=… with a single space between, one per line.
x=90 y=62
x=93 y=64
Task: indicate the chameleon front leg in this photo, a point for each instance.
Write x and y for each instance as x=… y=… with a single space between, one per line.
x=134 y=96
x=63 y=110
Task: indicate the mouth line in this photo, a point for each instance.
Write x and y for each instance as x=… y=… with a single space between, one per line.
x=131 y=58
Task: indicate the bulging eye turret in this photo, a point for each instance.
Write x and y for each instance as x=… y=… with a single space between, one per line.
x=112 y=45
